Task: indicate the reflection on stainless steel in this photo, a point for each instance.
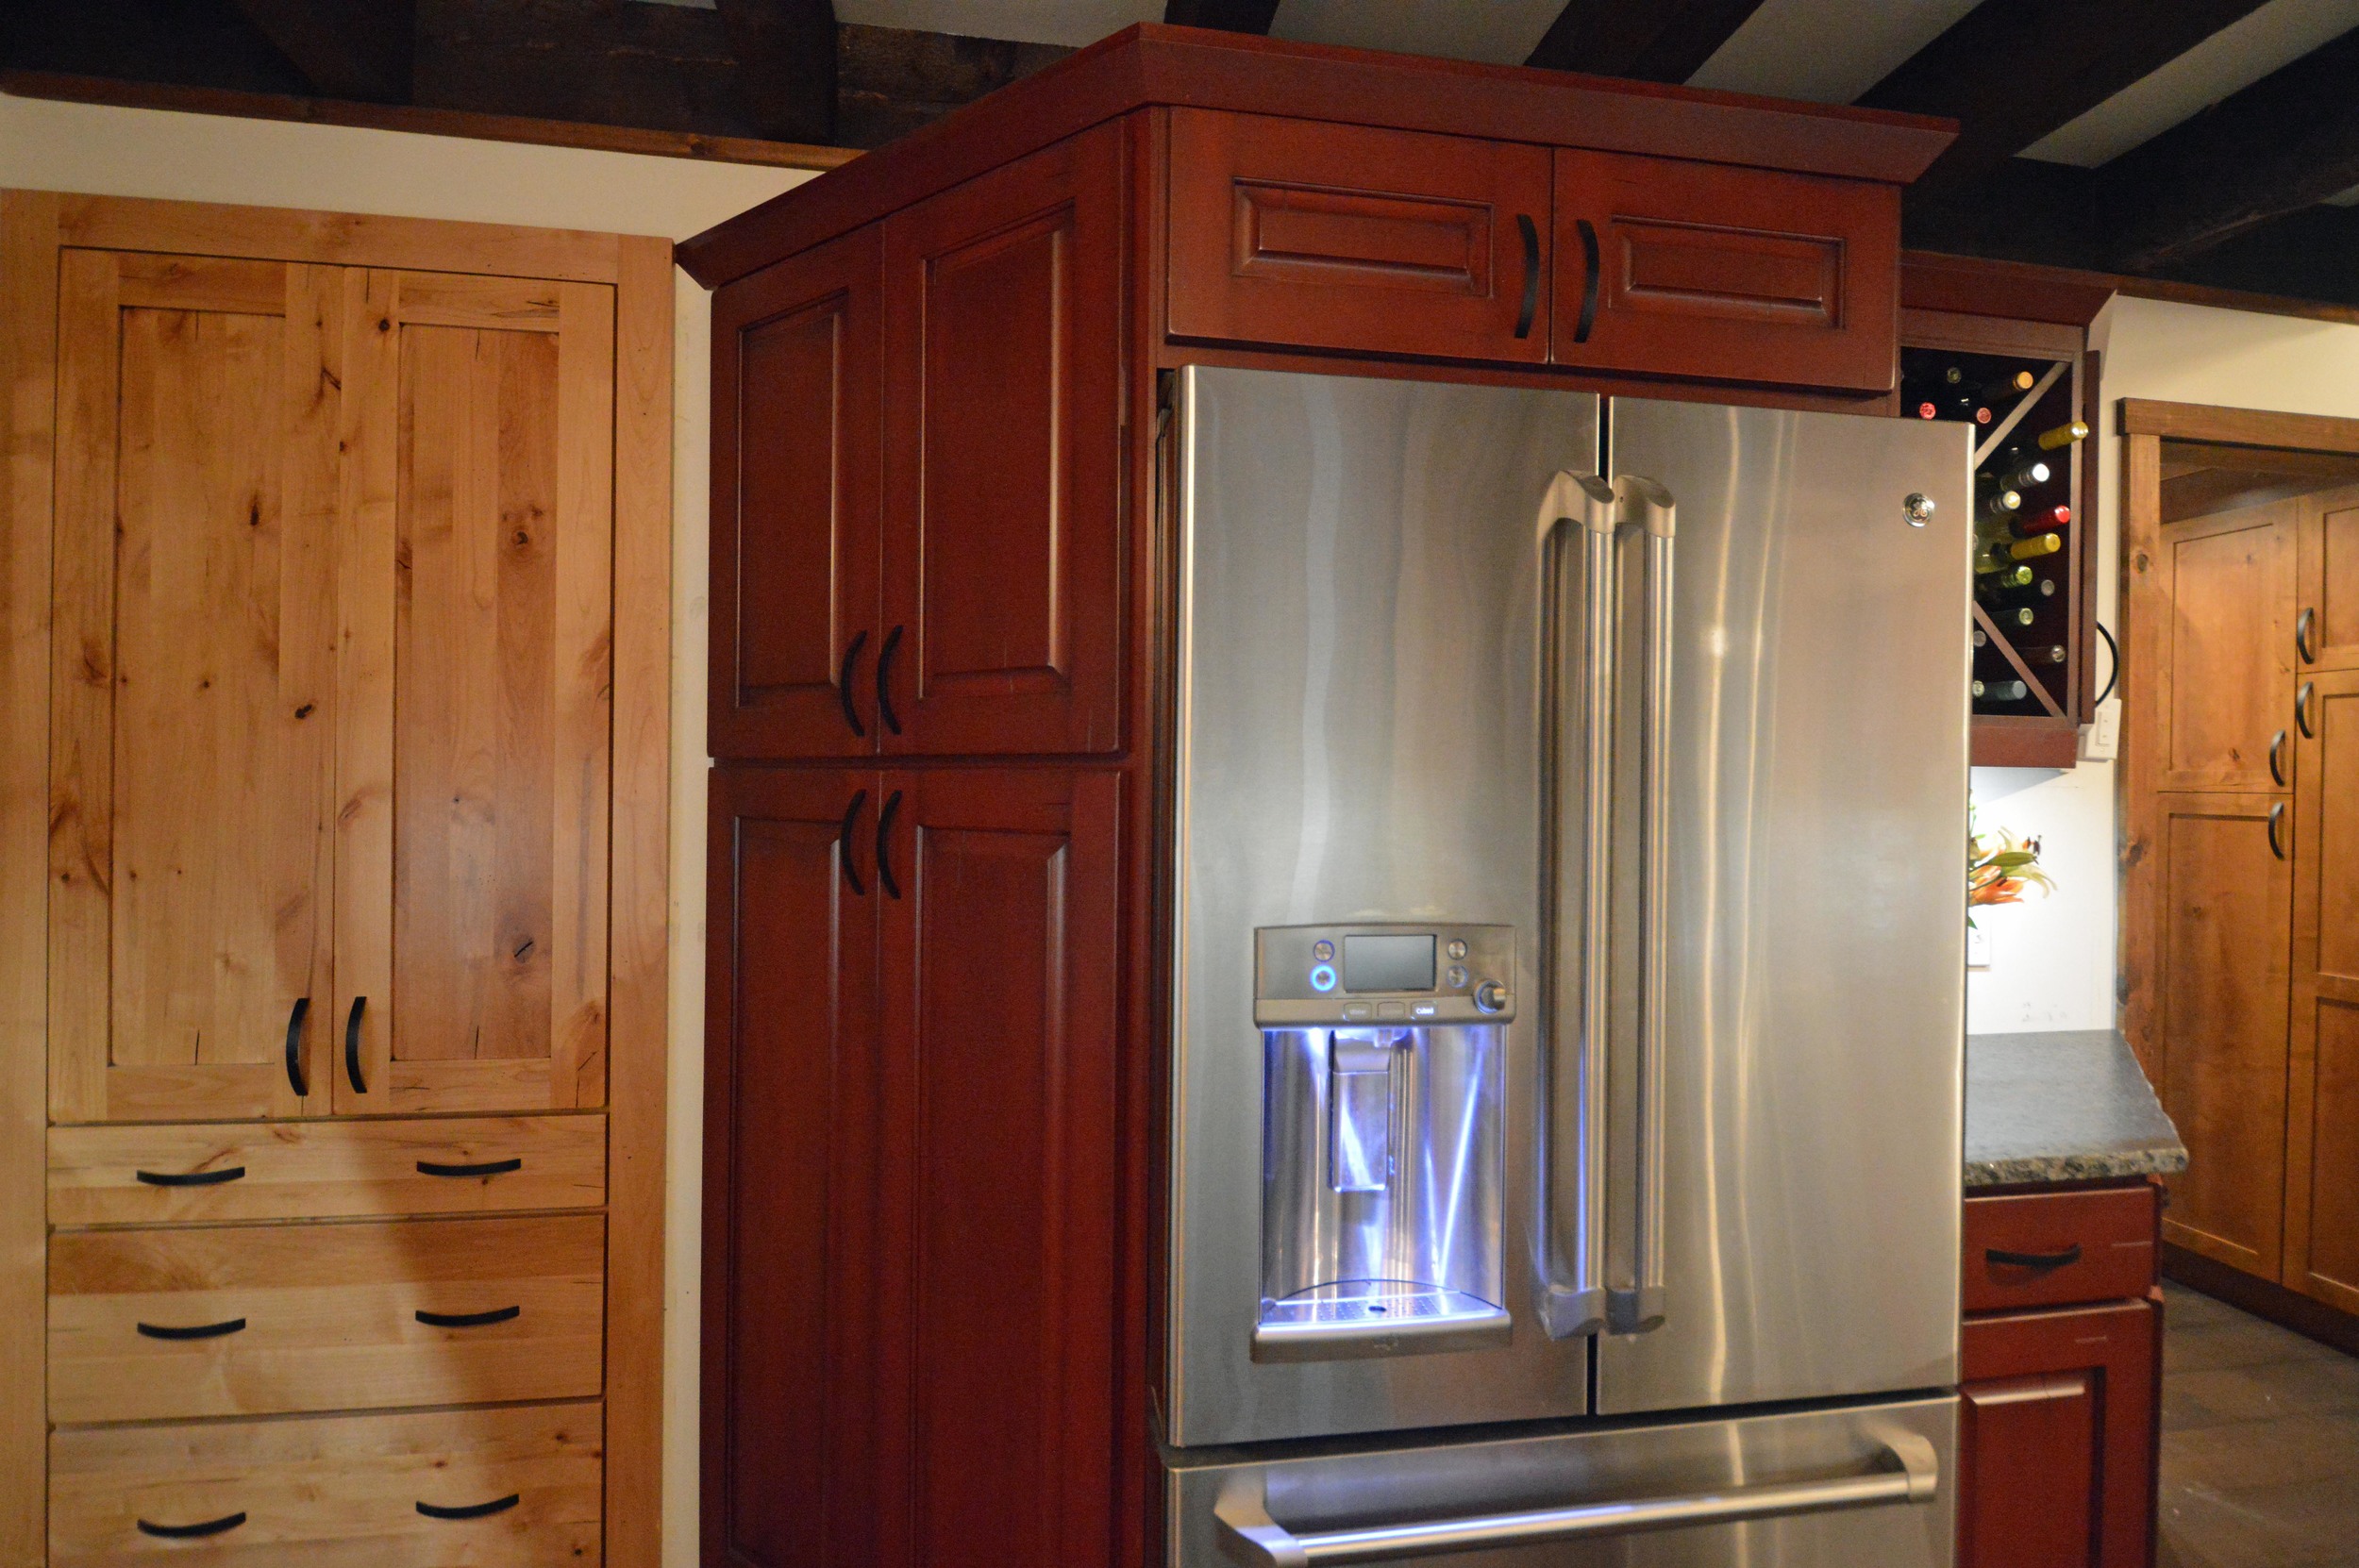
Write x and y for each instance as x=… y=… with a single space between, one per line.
x=1800 y=1490
x=1638 y=1308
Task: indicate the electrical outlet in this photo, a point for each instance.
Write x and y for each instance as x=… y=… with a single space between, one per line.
x=2102 y=739
x=1977 y=947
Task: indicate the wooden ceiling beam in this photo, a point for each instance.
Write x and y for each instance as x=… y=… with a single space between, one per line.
x=785 y=53
x=1667 y=40
x=2284 y=144
x=1228 y=16
x=361 y=52
x=2012 y=71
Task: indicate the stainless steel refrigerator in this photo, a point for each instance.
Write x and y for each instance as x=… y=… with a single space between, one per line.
x=1567 y=979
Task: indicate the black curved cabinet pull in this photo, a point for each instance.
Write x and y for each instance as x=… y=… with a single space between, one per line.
x=200 y=1332
x=352 y=1044
x=2277 y=816
x=468 y=1319
x=1589 y=268
x=191 y=1532
x=2277 y=758
x=471 y=1510
x=843 y=682
x=2034 y=1260
x=884 y=680
x=2301 y=709
x=1530 y=309
x=2304 y=627
x=884 y=828
x=295 y=1079
x=190 y=1178
x=489 y=1167
x=843 y=844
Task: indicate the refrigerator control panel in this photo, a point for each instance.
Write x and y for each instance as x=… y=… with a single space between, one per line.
x=1405 y=975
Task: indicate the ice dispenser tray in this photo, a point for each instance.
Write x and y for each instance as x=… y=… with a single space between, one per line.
x=1383 y=1142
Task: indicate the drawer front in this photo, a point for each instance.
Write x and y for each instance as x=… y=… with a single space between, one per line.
x=160 y=1173
x=338 y=1492
x=1734 y=274
x=1291 y=231
x=2053 y=1249
x=326 y=1317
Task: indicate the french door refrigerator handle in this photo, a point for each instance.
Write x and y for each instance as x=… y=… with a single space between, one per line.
x=1586 y=500
x=1907 y=1471
x=1639 y=1308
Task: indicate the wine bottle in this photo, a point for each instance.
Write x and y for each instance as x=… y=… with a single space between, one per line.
x=2041 y=520
x=2024 y=616
x=2004 y=580
x=2010 y=386
x=2063 y=435
x=2024 y=549
x=2001 y=691
x=2030 y=476
x=1928 y=408
x=1982 y=638
x=1999 y=505
x=1953 y=375
x=2058 y=653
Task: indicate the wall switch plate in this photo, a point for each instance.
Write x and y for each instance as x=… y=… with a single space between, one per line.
x=2102 y=739
x=1977 y=947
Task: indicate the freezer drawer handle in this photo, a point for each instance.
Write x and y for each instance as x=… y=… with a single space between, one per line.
x=1909 y=1473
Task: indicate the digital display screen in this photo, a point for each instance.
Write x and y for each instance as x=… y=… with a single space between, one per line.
x=1389 y=964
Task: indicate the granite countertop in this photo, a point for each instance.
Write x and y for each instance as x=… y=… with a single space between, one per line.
x=2070 y=1106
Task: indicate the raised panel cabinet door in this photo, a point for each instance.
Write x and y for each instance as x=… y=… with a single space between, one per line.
x=2056 y=1438
x=1382 y=241
x=2221 y=874
x=193 y=694
x=2326 y=618
x=998 y=1219
x=477 y=597
x=2226 y=671
x=1674 y=268
x=1003 y=461
x=795 y=509
x=794 y=1080
x=2322 y=1124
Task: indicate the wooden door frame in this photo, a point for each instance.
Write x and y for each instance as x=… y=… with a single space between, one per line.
x=34 y=228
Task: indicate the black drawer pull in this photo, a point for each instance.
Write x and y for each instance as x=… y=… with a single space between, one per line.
x=296 y=1079
x=471 y=1510
x=352 y=1044
x=201 y=1332
x=489 y=1167
x=191 y=1532
x=190 y=1178
x=468 y=1319
x=2034 y=1260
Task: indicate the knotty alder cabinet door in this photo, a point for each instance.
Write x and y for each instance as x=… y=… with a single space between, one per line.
x=2326 y=625
x=910 y=1331
x=2322 y=1126
x=2227 y=651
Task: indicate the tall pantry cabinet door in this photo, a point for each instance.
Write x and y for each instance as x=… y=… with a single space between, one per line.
x=2227 y=654
x=795 y=433
x=2326 y=625
x=2322 y=1128
x=2222 y=873
x=997 y=1223
x=194 y=703
x=471 y=859
x=793 y=1080
x=1003 y=443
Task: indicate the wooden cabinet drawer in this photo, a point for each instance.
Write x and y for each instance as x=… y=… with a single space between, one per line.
x=339 y=1492
x=161 y=1173
x=1328 y=236
x=2052 y=1249
x=1675 y=268
x=328 y=1317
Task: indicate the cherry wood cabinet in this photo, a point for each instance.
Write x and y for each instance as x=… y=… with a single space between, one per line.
x=2059 y=1399
x=911 y=1168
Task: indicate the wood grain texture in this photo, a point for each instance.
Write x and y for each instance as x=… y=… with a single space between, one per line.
x=2327 y=579
x=2143 y=611
x=2222 y=682
x=337 y=1491
x=2108 y=1233
x=336 y=238
x=639 y=925
x=329 y=1313
x=323 y=1170
x=28 y=341
x=2322 y=1110
x=2140 y=416
x=1003 y=526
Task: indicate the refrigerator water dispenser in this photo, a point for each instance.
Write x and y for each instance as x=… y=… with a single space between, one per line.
x=1383 y=1137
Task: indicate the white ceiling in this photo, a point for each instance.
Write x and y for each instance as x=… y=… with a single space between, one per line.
x=1823 y=51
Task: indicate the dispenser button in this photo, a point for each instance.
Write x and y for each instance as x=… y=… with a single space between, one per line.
x=1392 y=1009
x=1424 y=1009
x=1456 y=976
x=1322 y=977
x=1457 y=949
x=1323 y=950
x=1356 y=1013
x=1490 y=996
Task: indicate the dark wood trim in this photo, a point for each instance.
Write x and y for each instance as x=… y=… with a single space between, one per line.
x=2084 y=638
x=1227 y=16
x=2004 y=740
x=343 y=50
x=2222 y=426
x=422 y=121
x=1665 y=42
x=1972 y=286
x=1151 y=63
x=1970 y=334
x=785 y=53
x=2263 y=1298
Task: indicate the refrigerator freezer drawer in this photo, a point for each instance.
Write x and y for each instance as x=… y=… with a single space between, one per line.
x=1859 y=1485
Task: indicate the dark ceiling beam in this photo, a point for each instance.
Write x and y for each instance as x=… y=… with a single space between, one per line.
x=1228 y=16
x=2286 y=143
x=1664 y=41
x=361 y=52
x=2012 y=71
x=785 y=65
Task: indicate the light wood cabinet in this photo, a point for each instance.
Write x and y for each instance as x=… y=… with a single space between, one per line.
x=344 y=576
x=2322 y=1204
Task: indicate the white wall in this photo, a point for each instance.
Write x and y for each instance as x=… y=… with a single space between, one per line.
x=2053 y=960
x=120 y=151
